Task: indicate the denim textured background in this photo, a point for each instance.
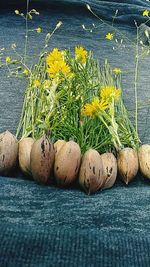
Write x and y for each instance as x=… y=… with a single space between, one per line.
x=48 y=226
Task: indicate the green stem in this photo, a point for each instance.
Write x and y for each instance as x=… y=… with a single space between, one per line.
x=136 y=78
x=26 y=32
x=32 y=112
x=21 y=118
x=113 y=127
x=115 y=134
x=114 y=28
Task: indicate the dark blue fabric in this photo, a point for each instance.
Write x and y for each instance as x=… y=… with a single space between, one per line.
x=110 y=211
x=48 y=226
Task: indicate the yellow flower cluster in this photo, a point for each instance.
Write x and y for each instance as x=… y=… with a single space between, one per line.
x=117 y=70
x=91 y=108
x=26 y=72
x=38 y=30
x=107 y=94
x=109 y=36
x=146 y=13
x=55 y=55
x=58 y=68
x=35 y=84
x=56 y=65
x=81 y=54
x=8 y=60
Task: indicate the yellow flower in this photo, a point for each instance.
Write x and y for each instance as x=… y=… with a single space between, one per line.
x=26 y=72
x=46 y=84
x=103 y=105
x=116 y=70
x=38 y=30
x=36 y=83
x=108 y=93
x=81 y=54
x=88 y=110
x=57 y=68
x=55 y=55
x=145 y=13
x=8 y=60
x=109 y=36
x=17 y=12
x=95 y=106
x=95 y=103
x=91 y=108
